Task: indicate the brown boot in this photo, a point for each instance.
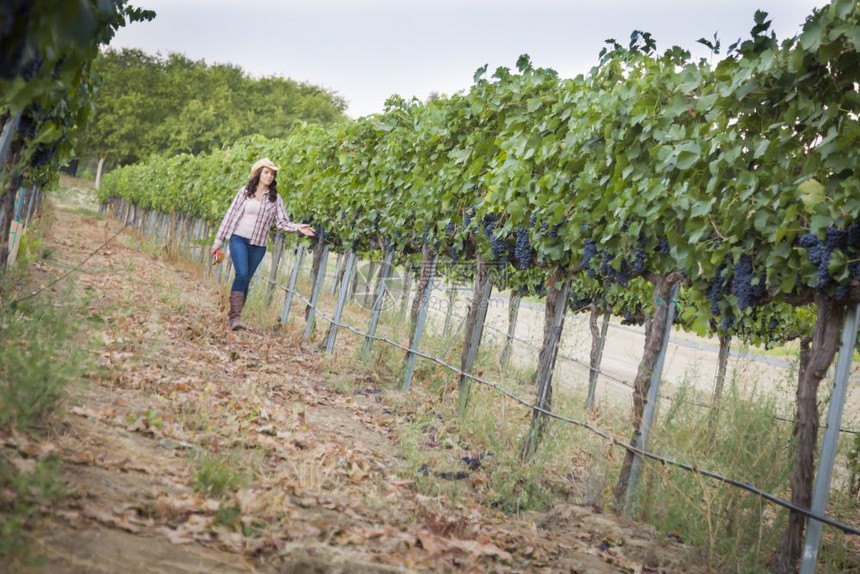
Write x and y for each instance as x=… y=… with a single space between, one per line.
x=234 y=317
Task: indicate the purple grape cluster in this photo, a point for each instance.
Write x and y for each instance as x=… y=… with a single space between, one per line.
x=852 y=236
x=820 y=252
x=30 y=68
x=498 y=244
x=634 y=317
x=319 y=232
x=42 y=156
x=742 y=277
x=27 y=126
x=716 y=290
x=638 y=265
x=578 y=303
x=589 y=262
x=589 y=251
x=522 y=248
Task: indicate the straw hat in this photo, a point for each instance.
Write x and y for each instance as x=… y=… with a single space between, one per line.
x=265 y=162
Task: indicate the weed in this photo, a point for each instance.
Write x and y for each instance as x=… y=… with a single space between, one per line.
x=86 y=211
x=742 y=440
x=228 y=515
x=217 y=476
x=150 y=416
x=345 y=385
x=30 y=248
x=24 y=493
x=38 y=357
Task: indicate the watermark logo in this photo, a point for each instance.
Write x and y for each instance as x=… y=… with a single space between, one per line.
x=368 y=286
x=392 y=287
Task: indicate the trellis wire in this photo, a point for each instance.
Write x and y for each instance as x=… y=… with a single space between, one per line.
x=847 y=529
x=608 y=376
x=629 y=385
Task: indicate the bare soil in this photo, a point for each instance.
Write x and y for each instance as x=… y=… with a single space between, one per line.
x=323 y=489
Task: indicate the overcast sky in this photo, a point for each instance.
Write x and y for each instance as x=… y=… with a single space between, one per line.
x=366 y=51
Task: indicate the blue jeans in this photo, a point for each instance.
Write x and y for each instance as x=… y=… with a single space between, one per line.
x=246 y=258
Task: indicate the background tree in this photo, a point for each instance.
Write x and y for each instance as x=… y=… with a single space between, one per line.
x=149 y=104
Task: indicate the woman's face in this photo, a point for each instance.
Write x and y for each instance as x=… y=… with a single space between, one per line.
x=267 y=176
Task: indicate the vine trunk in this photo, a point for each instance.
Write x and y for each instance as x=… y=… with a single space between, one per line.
x=825 y=343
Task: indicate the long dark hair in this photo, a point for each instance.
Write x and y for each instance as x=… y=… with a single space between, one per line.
x=251 y=186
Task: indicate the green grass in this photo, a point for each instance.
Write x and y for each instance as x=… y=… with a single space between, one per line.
x=219 y=475
x=41 y=354
x=24 y=494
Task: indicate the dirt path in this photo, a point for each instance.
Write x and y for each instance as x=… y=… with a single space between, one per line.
x=192 y=449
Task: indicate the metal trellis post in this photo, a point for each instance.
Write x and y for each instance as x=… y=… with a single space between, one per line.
x=419 y=326
x=30 y=205
x=449 y=312
x=291 y=287
x=277 y=251
x=337 y=270
x=338 y=311
x=6 y=137
x=309 y=326
x=377 y=306
x=831 y=439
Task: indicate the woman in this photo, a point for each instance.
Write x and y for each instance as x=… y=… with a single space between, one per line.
x=247 y=224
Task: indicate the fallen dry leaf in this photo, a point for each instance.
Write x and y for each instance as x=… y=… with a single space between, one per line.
x=430 y=543
x=109 y=518
x=175 y=536
x=25 y=466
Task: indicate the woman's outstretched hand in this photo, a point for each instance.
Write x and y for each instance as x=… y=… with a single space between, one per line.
x=306 y=229
x=216 y=254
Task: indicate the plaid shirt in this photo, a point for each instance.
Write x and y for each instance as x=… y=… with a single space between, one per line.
x=269 y=212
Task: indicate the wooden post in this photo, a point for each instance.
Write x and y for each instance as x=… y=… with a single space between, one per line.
x=642 y=435
x=513 y=315
x=722 y=363
x=597 y=347
x=481 y=290
x=557 y=303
